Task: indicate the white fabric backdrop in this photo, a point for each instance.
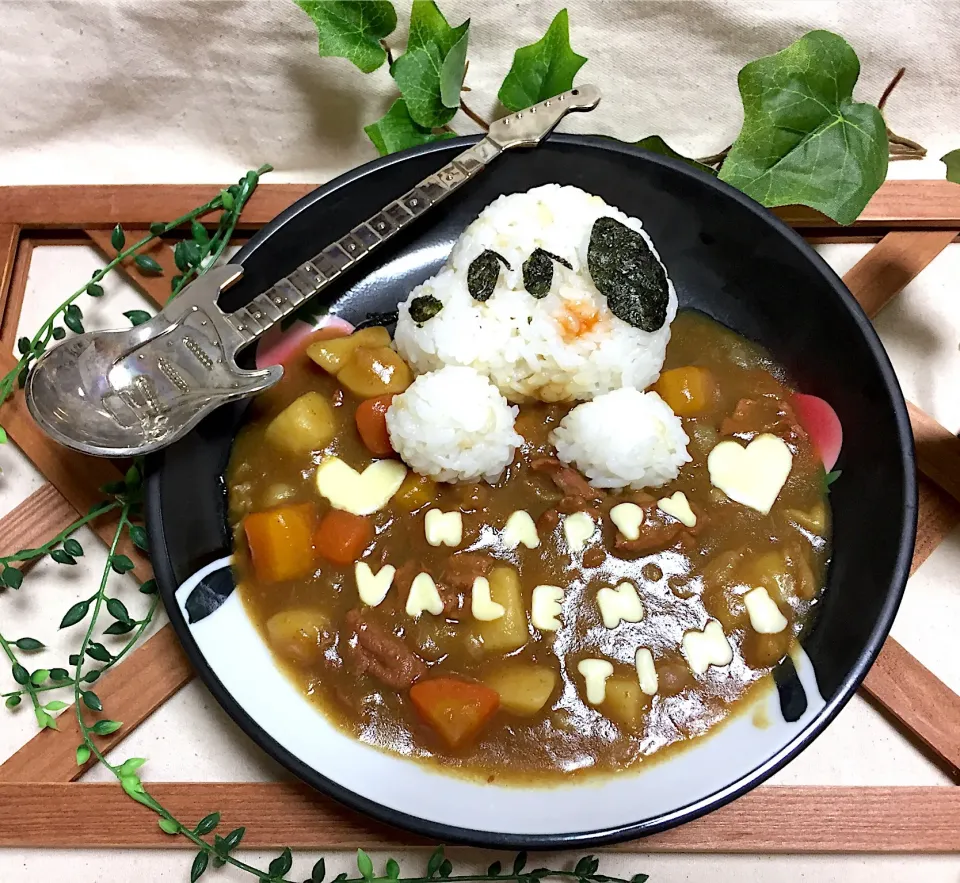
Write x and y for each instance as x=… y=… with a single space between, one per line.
x=201 y=90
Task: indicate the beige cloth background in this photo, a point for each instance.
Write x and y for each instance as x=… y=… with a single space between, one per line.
x=201 y=90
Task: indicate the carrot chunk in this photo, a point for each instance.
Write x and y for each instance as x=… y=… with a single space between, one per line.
x=342 y=536
x=455 y=708
x=281 y=542
x=372 y=424
x=688 y=391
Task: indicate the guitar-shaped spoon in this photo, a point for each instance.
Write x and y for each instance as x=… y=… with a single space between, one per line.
x=120 y=393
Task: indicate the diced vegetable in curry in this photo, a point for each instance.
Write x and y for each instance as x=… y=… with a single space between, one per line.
x=539 y=626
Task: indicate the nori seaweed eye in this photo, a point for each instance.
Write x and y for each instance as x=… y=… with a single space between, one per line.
x=626 y=272
x=483 y=272
x=424 y=307
x=538 y=272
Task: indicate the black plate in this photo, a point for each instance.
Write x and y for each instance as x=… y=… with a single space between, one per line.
x=728 y=257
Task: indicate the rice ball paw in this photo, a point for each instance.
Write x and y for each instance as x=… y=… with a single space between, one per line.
x=624 y=438
x=552 y=294
x=453 y=425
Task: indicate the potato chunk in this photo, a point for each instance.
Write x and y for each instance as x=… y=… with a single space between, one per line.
x=300 y=634
x=509 y=632
x=333 y=354
x=375 y=371
x=524 y=689
x=625 y=703
x=304 y=426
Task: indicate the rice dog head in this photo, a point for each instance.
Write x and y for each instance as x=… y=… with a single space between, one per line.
x=552 y=294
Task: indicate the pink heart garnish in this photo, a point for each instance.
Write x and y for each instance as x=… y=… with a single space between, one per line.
x=822 y=425
x=277 y=346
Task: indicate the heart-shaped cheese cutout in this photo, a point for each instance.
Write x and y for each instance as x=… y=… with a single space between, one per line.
x=373 y=587
x=677 y=506
x=627 y=517
x=578 y=528
x=482 y=606
x=752 y=475
x=621 y=604
x=423 y=597
x=360 y=493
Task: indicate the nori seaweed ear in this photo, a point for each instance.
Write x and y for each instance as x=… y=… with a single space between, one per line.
x=538 y=272
x=483 y=272
x=625 y=271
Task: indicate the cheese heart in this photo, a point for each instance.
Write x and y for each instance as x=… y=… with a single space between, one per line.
x=752 y=475
x=360 y=493
x=677 y=506
x=619 y=605
x=373 y=587
x=627 y=517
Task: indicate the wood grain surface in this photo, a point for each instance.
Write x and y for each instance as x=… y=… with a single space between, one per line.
x=897 y=204
x=767 y=820
x=920 y=701
x=892 y=264
x=33 y=522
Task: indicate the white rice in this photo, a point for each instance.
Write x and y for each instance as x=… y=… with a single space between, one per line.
x=623 y=438
x=453 y=425
x=518 y=341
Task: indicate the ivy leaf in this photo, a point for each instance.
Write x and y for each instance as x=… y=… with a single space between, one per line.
x=56 y=705
x=73 y=318
x=59 y=333
x=12 y=701
x=351 y=29
x=62 y=557
x=117 y=238
x=20 y=674
x=434 y=862
x=28 y=644
x=804 y=139
x=138 y=317
x=91 y=700
x=83 y=754
x=72 y=547
x=39 y=676
x=44 y=720
x=281 y=864
x=393 y=869
x=543 y=69
x=208 y=823
x=12 y=577
x=656 y=144
x=453 y=70
x=120 y=628
x=199 y=866
x=121 y=563
x=59 y=674
x=418 y=72
x=117 y=609
x=139 y=537
x=952 y=161
x=519 y=862
x=147 y=264
x=169 y=826
x=199 y=232
x=75 y=614
x=149 y=587
x=232 y=840
x=396 y=130
x=106 y=727
x=364 y=865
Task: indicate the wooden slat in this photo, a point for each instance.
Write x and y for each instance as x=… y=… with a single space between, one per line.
x=892 y=264
x=13 y=300
x=898 y=204
x=131 y=692
x=103 y=206
x=9 y=237
x=157 y=288
x=33 y=522
x=919 y=700
x=938 y=451
x=938 y=514
x=768 y=819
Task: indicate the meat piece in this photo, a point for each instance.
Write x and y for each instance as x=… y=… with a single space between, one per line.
x=753 y=416
x=457 y=579
x=659 y=530
x=473 y=497
x=548 y=521
x=383 y=655
x=571 y=483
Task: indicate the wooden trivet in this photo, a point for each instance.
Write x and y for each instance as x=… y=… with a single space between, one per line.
x=41 y=804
